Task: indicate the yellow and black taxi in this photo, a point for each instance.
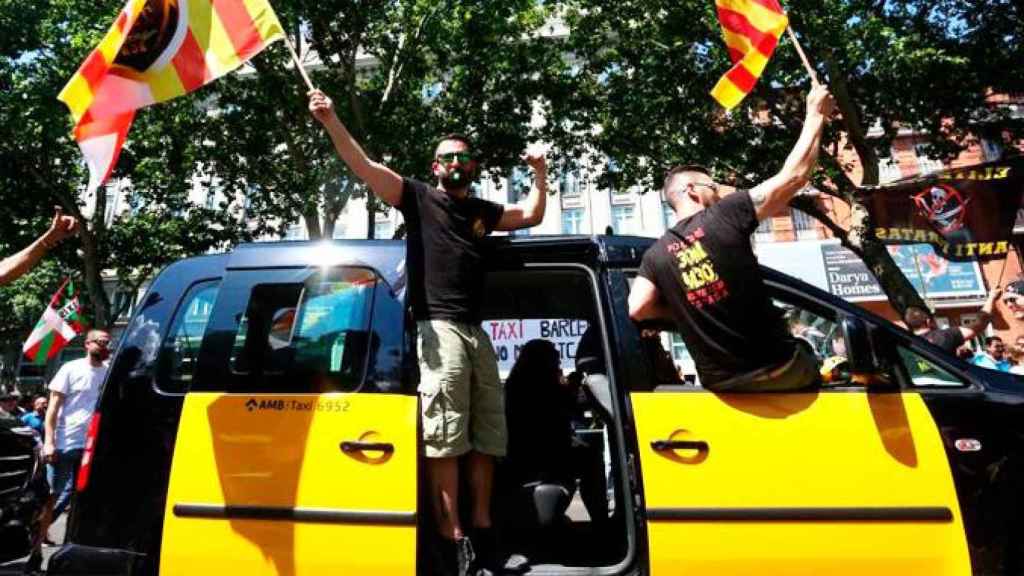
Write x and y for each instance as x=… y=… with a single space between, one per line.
x=260 y=417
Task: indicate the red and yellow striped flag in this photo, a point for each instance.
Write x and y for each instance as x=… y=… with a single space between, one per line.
x=157 y=50
x=752 y=29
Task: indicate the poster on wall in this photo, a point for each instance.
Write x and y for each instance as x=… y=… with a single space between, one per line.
x=509 y=336
x=931 y=275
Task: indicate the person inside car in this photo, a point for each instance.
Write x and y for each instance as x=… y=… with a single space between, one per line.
x=539 y=410
x=445 y=227
x=922 y=324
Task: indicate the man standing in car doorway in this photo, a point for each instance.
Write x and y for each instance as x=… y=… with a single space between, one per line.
x=463 y=411
x=703 y=274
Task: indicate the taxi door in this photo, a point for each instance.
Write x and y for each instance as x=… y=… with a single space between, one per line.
x=838 y=480
x=296 y=450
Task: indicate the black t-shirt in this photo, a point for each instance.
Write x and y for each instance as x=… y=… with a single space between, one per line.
x=949 y=339
x=706 y=271
x=444 y=251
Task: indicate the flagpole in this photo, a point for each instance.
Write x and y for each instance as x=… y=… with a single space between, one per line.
x=803 y=57
x=295 y=58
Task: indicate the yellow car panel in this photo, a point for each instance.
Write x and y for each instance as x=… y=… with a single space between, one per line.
x=811 y=483
x=261 y=484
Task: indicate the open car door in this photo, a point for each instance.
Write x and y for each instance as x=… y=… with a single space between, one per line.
x=296 y=450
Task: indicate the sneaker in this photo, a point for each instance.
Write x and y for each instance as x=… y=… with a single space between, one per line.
x=486 y=547
x=466 y=556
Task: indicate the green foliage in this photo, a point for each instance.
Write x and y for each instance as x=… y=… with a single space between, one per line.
x=646 y=67
x=626 y=79
x=401 y=74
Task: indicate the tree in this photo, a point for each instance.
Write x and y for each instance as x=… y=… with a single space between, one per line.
x=646 y=67
x=401 y=75
x=41 y=45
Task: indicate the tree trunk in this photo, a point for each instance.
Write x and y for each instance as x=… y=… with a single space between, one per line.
x=371 y=215
x=311 y=216
x=94 y=281
x=861 y=240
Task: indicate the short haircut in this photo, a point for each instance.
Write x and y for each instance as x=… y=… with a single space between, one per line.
x=681 y=169
x=990 y=339
x=457 y=137
x=92 y=333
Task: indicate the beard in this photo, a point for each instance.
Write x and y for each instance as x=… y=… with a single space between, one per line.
x=456 y=177
x=99 y=355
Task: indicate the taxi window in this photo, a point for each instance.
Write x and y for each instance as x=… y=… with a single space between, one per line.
x=304 y=331
x=925 y=373
x=180 y=347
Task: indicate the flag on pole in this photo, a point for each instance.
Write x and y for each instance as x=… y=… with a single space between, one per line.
x=157 y=50
x=60 y=323
x=751 y=29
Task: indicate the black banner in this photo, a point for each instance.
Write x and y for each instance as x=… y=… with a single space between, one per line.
x=965 y=213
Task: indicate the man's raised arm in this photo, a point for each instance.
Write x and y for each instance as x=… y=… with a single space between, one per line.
x=984 y=316
x=771 y=196
x=530 y=211
x=12 y=267
x=383 y=181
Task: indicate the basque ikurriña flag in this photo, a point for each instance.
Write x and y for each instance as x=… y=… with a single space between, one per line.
x=751 y=29
x=157 y=50
x=60 y=323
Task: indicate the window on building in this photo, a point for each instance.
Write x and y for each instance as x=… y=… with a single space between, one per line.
x=925 y=164
x=804 y=225
x=623 y=219
x=572 y=221
x=384 y=230
x=888 y=170
x=764 y=232
x=668 y=214
x=569 y=185
x=518 y=184
x=113 y=190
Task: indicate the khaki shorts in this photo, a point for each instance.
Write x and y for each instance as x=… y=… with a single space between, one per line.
x=461 y=397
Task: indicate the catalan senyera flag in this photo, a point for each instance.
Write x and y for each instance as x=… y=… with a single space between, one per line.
x=60 y=323
x=157 y=50
x=752 y=29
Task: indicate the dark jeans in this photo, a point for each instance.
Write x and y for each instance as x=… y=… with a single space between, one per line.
x=61 y=475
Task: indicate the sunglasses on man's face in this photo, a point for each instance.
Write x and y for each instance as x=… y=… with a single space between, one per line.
x=451 y=157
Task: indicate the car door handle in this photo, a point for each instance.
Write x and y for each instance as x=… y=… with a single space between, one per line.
x=666 y=445
x=350 y=446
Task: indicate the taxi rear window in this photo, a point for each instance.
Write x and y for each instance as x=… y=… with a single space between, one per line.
x=313 y=330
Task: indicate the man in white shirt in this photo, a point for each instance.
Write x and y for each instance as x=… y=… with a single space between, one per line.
x=73 y=395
